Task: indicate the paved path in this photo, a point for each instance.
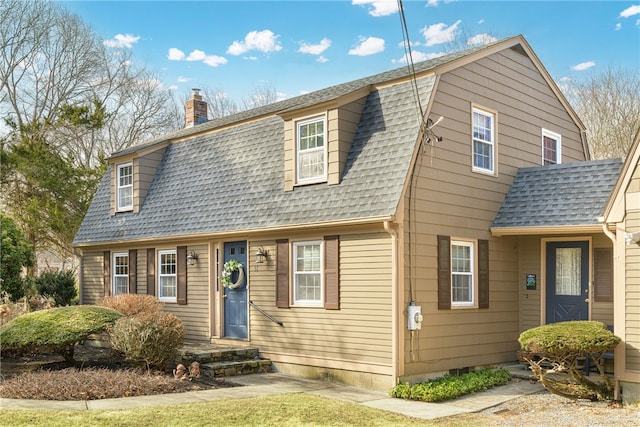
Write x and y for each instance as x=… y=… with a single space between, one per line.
x=274 y=384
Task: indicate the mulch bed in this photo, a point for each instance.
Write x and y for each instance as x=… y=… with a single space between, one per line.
x=92 y=358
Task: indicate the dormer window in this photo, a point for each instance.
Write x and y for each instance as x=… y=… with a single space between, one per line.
x=125 y=187
x=311 y=150
x=551 y=148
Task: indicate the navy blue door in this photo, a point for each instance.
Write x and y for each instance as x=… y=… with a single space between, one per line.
x=235 y=300
x=567 y=281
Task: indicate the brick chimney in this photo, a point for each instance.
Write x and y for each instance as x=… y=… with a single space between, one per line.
x=195 y=109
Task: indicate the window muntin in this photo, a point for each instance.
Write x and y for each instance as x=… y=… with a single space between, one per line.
x=307 y=273
x=167 y=284
x=551 y=148
x=462 y=273
x=483 y=125
x=311 y=150
x=125 y=186
x=120 y=273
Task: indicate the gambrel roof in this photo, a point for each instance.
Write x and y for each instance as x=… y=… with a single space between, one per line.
x=232 y=180
x=565 y=195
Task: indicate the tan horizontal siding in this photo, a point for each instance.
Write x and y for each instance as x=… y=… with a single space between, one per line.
x=450 y=199
x=359 y=332
x=92 y=277
x=195 y=314
x=632 y=289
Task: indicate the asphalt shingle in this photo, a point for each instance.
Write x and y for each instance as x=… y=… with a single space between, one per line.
x=559 y=195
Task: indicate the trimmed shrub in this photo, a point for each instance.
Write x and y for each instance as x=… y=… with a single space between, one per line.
x=554 y=351
x=54 y=330
x=451 y=387
x=131 y=304
x=57 y=285
x=148 y=339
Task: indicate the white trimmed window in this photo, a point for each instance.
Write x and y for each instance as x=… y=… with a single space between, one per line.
x=462 y=287
x=311 y=150
x=167 y=284
x=307 y=273
x=483 y=129
x=551 y=148
x=120 y=273
x=125 y=186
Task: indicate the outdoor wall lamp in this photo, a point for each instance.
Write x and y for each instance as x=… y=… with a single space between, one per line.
x=632 y=238
x=192 y=257
x=262 y=255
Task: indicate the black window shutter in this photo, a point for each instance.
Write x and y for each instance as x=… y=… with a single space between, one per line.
x=181 y=265
x=444 y=272
x=331 y=272
x=603 y=274
x=282 y=273
x=483 y=274
x=151 y=271
x=133 y=271
x=107 y=273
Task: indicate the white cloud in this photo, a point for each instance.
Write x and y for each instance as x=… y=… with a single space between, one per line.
x=196 y=55
x=618 y=26
x=183 y=79
x=432 y=3
x=440 y=33
x=483 y=38
x=379 y=7
x=480 y=22
x=262 y=41
x=211 y=60
x=122 y=40
x=630 y=11
x=321 y=59
x=175 y=54
x=315 y=49
x=368 y=46
x=417 y=57
x=583 y=66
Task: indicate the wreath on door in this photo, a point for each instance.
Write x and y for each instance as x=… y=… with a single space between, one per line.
x=228 y=269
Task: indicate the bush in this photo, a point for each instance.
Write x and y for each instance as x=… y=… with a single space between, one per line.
x=131 y=304
x=148 y=339
x=554 y=352
x=54 y=330
x=57 y=285
x=451 y=387
x=16 y=254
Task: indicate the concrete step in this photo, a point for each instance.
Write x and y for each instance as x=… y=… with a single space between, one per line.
x=209 y=354
x=244 y=367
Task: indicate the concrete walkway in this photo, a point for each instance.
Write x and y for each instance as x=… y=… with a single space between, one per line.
x=275 y=384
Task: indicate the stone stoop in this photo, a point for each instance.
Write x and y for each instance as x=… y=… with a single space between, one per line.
x=225 y=361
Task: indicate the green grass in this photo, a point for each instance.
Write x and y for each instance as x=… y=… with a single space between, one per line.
x=288 y=410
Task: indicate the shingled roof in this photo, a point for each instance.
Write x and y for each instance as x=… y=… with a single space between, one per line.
x=571 y=194
x=233 y=180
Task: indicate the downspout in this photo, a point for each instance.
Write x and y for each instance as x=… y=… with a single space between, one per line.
x=389 y=228
x=612 y=237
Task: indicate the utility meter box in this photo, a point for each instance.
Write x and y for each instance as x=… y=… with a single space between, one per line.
x=414 y=317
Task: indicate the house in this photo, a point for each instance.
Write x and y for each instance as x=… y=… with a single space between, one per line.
x=377 y=242
x=622 y=222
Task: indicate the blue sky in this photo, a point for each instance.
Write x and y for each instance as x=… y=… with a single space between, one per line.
x=301 y=46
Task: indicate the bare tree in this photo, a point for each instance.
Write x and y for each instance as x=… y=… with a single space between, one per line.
x=609 y=105
x=52 y=59
x=263 y=94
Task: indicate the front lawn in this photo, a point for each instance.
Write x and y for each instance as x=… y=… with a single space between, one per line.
x=298 y=409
